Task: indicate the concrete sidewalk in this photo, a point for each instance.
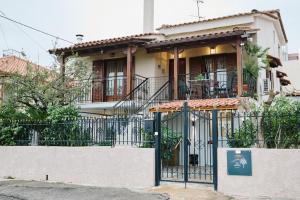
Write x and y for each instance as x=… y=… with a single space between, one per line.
x=177 y=191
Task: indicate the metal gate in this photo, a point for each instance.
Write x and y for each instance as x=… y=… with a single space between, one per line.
x=186 y=149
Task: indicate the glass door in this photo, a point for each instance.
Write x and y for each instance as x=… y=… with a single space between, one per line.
x=115 y=79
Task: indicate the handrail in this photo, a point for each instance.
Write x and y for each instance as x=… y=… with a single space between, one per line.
x=130 y=94
x=156 y=94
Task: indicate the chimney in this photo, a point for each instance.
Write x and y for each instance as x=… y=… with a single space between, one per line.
x=148 y=16
x=79 y=37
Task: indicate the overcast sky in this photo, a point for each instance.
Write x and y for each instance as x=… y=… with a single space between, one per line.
x=99 y=19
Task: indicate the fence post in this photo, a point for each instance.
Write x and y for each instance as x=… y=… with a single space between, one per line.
x=157 y=135
x=215 y=148
x=186 y=143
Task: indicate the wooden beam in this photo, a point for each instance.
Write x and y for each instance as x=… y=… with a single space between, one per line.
x=176 y=67
x=129 y=70
x=239 y=67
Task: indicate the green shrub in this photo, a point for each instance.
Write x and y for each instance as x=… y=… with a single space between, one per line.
x=244 y=136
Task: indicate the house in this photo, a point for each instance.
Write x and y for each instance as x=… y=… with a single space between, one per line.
x=11 y=64
x=291 y=70
x=193 y=60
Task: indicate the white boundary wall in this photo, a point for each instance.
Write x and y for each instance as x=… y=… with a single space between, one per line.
x=96 y=166
x=275 y=173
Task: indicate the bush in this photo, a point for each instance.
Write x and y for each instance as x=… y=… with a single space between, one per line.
x=244 y=136
x=281 y=124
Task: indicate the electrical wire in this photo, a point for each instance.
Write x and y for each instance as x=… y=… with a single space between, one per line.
x=35 y=29
x=4 y=37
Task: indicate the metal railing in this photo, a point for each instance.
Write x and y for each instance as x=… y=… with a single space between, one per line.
x=132 y=101
x=105 y=131
x=218 y=84
x=104 y=89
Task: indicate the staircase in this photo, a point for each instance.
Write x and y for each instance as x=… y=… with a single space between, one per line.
x=132 y=101
x=148 y=93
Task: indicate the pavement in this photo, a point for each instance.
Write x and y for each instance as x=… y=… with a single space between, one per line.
x=32 y=190
x=177 y=191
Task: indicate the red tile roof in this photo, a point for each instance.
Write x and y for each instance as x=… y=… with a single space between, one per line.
x=200 y=104
x=104 y=42
x=13 y=64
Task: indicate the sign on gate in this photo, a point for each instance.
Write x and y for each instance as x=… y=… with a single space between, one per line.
x=239 y=163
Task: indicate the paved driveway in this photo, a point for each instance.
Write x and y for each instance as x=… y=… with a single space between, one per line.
x=31 y=190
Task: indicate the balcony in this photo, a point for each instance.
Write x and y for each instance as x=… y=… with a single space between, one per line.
x=208 y=85
x=104 y=89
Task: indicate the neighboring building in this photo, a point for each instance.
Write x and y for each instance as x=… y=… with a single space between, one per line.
x=293 y=56
x=132 y=73
x=292 y=69
x=11 y=64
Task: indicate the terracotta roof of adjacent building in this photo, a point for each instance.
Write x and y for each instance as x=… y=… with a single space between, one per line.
x=200 y=104
x=15 y=65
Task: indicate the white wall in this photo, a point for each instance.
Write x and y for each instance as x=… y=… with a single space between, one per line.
x=96 y=166
x=292 y=69
x=221 y=23
x=275 y=173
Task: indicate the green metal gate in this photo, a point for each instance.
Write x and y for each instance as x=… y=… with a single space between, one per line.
x=186 y=149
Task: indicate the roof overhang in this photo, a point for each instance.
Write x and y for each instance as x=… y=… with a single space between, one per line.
x=199 y=104
x=101 y=47
x=194 y=41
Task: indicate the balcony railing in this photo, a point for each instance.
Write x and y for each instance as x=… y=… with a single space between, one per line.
x=104 y=89
x=218 y=84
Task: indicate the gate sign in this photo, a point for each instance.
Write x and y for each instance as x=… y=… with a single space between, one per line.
x=239 y=163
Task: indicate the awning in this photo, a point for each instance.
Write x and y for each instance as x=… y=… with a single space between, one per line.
x=199 y=104
x=280 y=74
x=274 y=62
x=284 y=81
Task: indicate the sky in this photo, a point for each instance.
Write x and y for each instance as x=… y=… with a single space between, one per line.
x=100 y=19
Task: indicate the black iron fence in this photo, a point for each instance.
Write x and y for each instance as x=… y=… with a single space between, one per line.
x=106 y=131
x=257 y=129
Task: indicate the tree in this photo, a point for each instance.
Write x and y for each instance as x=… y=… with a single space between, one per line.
x=40 y=89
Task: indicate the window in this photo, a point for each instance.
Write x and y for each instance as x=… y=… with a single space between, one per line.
x=115 y=77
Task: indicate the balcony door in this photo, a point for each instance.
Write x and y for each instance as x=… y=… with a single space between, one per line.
x=115 y=76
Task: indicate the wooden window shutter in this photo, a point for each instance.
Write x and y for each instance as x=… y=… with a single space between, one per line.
x=196 y=67
x=98 y=82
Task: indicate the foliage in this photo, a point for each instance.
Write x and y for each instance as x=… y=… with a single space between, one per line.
x=244 y=136
x=253 y=53
x=40 y=89
x=10 y=131
x=170 y=140
x=281 y=124
x=199 y=77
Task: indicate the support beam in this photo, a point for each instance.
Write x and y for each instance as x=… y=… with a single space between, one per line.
x=239 y=67
x=176 y=67
x=129 y=70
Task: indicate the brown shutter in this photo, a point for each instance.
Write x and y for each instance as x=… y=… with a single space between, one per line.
x=196 y=67
x=98 y=83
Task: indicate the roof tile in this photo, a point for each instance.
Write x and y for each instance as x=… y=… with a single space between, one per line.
x=200 y=104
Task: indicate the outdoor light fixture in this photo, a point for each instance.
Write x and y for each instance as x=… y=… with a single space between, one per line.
x=212 y=50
